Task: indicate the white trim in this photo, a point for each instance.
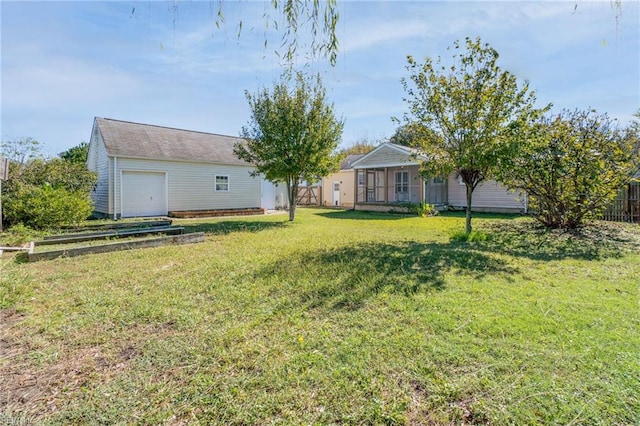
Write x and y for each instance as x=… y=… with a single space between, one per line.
x=398 y=148
x=382 y=165
x=215 y=183
x=115 y=171
x=166 y=187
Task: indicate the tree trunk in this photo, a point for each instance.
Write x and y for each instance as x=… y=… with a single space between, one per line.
x=292 y=193
x=467 y=224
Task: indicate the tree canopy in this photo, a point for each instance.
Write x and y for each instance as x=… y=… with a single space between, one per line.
x=44 y=193
x=305 y=25
x=571 y=166
x=460 y=113
x=292 y=134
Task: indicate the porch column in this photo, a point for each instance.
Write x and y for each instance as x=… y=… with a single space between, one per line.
x=386 y=185
x=355 y=188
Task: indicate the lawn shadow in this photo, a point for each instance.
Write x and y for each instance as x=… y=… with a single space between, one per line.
x=364 y=215
x=529 y=239
x=224 y=227
x=348 y=276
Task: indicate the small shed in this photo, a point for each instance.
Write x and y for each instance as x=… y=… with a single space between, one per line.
x=149 y=170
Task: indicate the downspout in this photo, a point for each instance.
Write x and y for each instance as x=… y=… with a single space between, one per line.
x=115 y=199
x=526 y=203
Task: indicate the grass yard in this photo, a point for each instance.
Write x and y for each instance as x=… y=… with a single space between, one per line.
x=339 y=318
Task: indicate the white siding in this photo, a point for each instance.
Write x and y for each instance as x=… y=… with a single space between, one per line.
x=488 y=196
x=385 y=156
x=98 y=162
x=191 y=185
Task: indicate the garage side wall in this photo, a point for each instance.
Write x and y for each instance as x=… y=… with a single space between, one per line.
x=191 y=186
x=98 y=162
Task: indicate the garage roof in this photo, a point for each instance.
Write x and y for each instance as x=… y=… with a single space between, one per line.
x=136 y=140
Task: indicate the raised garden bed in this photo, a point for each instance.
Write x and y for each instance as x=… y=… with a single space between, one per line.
x=108 y=234
x=196 y=237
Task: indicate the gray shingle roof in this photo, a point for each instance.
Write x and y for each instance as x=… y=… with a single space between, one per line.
x=348 y=160
x=127 y=139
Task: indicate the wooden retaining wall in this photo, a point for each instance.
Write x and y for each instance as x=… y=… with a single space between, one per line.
x=196 y=237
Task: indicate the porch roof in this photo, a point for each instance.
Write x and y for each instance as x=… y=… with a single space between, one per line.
x=389 y=155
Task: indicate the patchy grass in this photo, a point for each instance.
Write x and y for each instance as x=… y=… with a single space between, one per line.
x=339 y=318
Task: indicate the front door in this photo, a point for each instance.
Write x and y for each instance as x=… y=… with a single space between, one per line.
x=336 y=193
x=402 y=186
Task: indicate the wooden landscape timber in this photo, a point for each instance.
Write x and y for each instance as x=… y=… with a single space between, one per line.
x=120 y=225
x=196 y=237
x=80 y=237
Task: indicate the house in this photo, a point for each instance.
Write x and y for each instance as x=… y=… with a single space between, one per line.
x=390 y=175
x=147 y=170
x=339 y=188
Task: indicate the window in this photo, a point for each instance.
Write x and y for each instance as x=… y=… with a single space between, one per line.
x=361 y=177
x=222 y=183
x=402 y=182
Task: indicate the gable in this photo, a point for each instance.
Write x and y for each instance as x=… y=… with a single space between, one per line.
x=135 y=140
x=387 y=155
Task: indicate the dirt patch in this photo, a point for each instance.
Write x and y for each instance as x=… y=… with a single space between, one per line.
x=33 y=390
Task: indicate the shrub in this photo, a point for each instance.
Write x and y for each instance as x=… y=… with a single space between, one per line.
x=44 y=207
x=473 y=236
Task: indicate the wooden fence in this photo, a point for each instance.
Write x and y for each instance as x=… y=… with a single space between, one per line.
x=626 y=206
x=309 y=196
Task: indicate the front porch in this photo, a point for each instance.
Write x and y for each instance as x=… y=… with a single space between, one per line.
x=392 y=188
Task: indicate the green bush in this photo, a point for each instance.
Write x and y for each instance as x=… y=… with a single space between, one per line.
x=421 y=209
x=473 y=236
x=45 y=207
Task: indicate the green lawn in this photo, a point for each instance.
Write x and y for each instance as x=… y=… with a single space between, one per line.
x=339 y=318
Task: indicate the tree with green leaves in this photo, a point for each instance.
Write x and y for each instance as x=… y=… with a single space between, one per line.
x=77 y=154
x=292 y=135
x=362 y=146
x=571 y=166
x=307 y=26
x=20 y=150
x=461 y=113
x=44 y=193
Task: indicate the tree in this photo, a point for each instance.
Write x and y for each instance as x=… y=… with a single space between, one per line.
x=20 y=150
x=571 y=167
x=292 y=135
x=405 y=135
x=461 y=113
x=315 y=20
x=44 y=193
x=76 y=154
x=362 y=146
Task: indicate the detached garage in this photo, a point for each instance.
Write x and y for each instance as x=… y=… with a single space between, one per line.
x=147 y=170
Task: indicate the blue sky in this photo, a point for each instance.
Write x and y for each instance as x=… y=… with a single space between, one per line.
x=63 y=63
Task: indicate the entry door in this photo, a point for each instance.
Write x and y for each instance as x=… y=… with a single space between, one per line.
x=144 y=194
x=268 y=195
x=402 y=186
x=336 y=193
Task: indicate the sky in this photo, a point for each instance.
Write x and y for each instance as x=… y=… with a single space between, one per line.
x=168 y=64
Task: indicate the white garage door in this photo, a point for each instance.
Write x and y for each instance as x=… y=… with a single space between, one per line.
x=144 y=194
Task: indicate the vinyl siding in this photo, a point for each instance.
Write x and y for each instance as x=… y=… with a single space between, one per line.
x=191 y=186
x=489 y=195
x=383 y=157
x=346 y=179
x=98 y=162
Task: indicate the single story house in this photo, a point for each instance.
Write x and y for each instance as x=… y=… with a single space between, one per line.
x=338 y=189
x=390 y=174
x=148 y=170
